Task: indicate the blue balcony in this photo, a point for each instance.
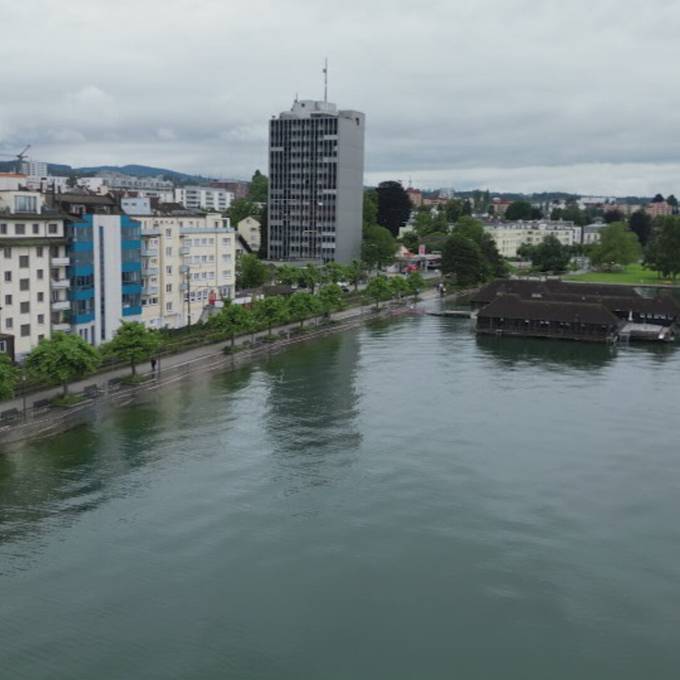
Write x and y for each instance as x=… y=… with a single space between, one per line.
x=131 y=245
x=82 y=246
x=82 y=270
x=131 y=266
x=132 y=311
x=132 y=288
x=82 y=318
x=82 y=293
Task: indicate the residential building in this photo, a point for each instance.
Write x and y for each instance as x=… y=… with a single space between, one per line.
x=107 y=182
x=33 y=168
x=500 y=206
x=211 y=199
x=249 y=229
x=591 y=233
x=106 y=264
x=316 y=169
x=415 y=196
x=33 y=271
x=188 y=259
x=659 y=209
x=239 y=188
x=47 y=183
x=509 y=236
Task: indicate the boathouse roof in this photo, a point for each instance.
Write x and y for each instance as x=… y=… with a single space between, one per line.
x=514 y=307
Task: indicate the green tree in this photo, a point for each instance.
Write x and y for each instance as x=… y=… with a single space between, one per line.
x=663 y=251
x=378 y=290
x=641 y=223
x=495 y=263
x=423 y=222
x=62 y=359
x=9 y=375
x=331 y=298
x=333 y=272
x=355 y=273
x=462 y=257
x=251 y=272
x=618 y=246
x=287 y=274
x=519 y=210
x=410 y=241
x=399 y=286
x=259 y=186
x=550 y=255
x=394 y=206
x=378 y=247
x=469 y=227
x=309 y=276
x=232 y=320
x=133 y=343
x=270 y=312
x=613 y=215
x=301 y=306
x=416 y=283
x=370 y=207
x=434 y=241
x=241 y=208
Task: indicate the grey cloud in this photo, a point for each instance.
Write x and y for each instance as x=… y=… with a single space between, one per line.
x=501 y=93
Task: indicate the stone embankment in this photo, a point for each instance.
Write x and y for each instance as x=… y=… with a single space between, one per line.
x=31 y=417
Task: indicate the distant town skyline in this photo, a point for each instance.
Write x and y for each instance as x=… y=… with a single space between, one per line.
x=511 y=95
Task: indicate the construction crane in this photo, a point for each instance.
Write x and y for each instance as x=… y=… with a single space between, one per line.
x=21 y=156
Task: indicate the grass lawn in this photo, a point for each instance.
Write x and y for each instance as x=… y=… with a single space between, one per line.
x=634 y=273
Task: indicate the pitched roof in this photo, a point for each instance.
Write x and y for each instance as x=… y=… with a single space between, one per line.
x=514 y=307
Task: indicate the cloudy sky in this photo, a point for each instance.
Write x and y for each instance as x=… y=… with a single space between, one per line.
x=514 y=95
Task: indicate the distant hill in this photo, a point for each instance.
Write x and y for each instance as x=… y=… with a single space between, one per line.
x=133 y=170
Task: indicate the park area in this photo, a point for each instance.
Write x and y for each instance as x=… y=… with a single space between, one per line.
x=631 y=274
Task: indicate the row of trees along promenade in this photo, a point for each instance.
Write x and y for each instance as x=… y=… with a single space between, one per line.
x=64 y=358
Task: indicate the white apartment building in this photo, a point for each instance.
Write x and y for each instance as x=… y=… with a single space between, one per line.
x=34 y=286
x=509 y=236
x=47 y=183
x=591 y=232
x=211 y=199
x=249 y=228
x=150 y=187
x=187 y=259
x=34 y=168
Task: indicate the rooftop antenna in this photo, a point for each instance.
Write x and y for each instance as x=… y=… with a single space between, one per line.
x=325 y=81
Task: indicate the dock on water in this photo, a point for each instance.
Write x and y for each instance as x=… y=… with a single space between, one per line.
x=457 y=313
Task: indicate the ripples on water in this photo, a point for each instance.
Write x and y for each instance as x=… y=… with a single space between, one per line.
x=405 y=500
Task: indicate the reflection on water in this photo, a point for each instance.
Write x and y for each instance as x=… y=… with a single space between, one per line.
x=312 y=406
x=553 y=354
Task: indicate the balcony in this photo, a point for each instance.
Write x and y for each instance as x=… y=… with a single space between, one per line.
x=61 y=284
x=151 y=271
x=150 y=252
x=61 y=305
x=183 y=268
x=184 y=250
x=150 y=290
x=63 y=327
x=60 y=261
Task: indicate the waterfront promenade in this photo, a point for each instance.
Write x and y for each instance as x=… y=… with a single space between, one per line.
x=36 y=422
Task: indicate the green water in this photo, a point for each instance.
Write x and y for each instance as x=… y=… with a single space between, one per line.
x=401 y=501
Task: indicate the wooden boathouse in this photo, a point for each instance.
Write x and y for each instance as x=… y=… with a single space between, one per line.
x=511 y=315
x=554 y=308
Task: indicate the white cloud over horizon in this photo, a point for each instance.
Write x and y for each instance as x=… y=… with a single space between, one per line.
x=513 y=95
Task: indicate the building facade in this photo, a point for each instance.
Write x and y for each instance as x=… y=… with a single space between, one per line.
x=211 y=199
x=316 y=168
x=188 y=259
x=509 y=236
x=34 y=285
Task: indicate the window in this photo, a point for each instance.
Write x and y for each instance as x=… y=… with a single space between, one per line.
x=36 y=228
x=8 y=276
x=24 y=284
x=168 y=269
x=41 y=338
x=9 y=323
x=26 y=204
x=41 y=318
x=7 y=252
x=39 y=251
x=168 y=306
x=40 y=273
x=53 y=228
x=23 y=261
x=19 y=229
x=168 y=233
x=168 y=252
x=168 y=288
x=3 y=228
x=8 y=299
x=25 y=307
x=25 y=330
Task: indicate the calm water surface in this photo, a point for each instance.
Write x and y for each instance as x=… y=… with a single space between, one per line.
x=400 y=501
